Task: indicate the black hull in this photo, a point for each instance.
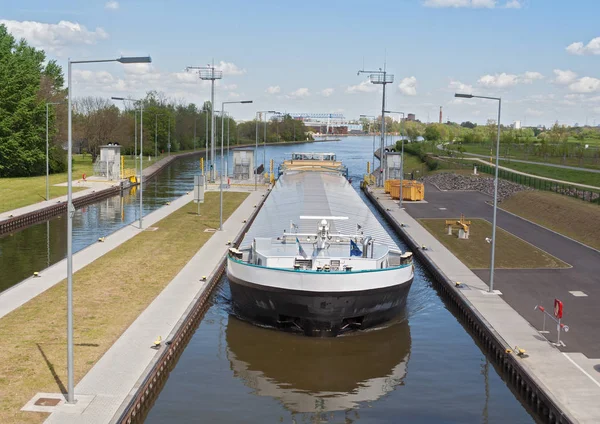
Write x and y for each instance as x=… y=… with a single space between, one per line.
x=314 y=313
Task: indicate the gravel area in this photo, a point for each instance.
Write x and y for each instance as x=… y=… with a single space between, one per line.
x=449 y=181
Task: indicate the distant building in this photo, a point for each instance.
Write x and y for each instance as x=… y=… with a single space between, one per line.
x=516 y=125
x=411 y=117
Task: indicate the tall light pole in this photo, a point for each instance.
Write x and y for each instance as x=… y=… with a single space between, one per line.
x=401 y=155
x=169 y=137
x=71 y=212
x=470 y=96
x=209 y=73
x=47 y=152
x=227 y=167
x=206 y=137
x=372 y=122
x=383 y=78
x=265 y=112
x=141 y=103
x=195 y=120
x=258 y=118
x=156 y=115
x=221 y=173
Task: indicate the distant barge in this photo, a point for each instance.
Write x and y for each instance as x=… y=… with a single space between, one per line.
x=316 y=260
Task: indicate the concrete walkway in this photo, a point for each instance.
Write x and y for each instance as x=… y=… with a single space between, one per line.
x=26 y=290
x=113 y=379
x=574 y=386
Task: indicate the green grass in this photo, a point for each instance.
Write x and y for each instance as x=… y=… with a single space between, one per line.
x=581 y=177
x=518 y=152
x=19 y=192
x=109 y=294
x=566 y=215
x=511 y=251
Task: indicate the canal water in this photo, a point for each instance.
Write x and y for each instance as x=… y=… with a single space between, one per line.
x=41 y=245
x=423 y=368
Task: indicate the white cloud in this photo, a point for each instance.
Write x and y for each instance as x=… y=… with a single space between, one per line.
x=299 y=93
x=505 y=80
x=578 y=48
x=585 y=85
x=274 y=89
x=502 y=80
x=564 y=77
x=363 y=87
x=111 y=5
x=459 y=87
x=229 y=68
x=327 y=92
x=408 y=86
x=533 y=112
x=530 y=76
x=513 y=4
x=54 y=37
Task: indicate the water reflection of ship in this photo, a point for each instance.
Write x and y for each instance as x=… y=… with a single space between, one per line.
x=319 y=375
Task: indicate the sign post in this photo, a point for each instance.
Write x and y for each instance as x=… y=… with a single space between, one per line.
x=199 y=190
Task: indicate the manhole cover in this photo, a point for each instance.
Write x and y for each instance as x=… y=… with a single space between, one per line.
x=47 y=402
x=210 y=230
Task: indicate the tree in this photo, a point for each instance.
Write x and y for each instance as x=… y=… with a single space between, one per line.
x=96 y=122
x=27 y=84
x=468 y=124
x=432 y=133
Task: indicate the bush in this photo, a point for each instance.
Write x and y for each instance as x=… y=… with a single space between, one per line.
x=416 y=149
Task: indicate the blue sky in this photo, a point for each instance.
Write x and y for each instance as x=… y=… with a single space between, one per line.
x=541 y=56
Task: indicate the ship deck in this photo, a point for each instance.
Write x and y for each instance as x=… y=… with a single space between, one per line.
x=297 y=194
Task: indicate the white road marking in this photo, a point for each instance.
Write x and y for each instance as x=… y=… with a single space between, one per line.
x=442 y=209
x=578 y=293
x=582 y=370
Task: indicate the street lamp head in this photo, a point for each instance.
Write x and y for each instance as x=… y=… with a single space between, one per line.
x=272 y=111
x=246 y=101
x=135 y=59
x=117 y=98
x=465 y=96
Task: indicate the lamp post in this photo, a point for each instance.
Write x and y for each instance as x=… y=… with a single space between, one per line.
x=206 y=137
x=372 y=121
x=210 y=73
x=47 y=153
x=383 y=78
x=221 y=173
x=470 y=96
x=71 y=212
x=195 y=120
x=156 y=115
x=265 y=112
x=401 y=155
x=255 y=154
x=141 y=102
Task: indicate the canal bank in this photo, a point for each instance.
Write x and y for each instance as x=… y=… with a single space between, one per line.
x=130 y=277
x=121 y=383
x=555 y=387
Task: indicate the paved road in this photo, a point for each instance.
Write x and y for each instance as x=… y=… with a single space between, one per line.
x=524 y=289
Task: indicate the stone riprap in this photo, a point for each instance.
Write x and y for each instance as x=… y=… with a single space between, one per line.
x=447 y=181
